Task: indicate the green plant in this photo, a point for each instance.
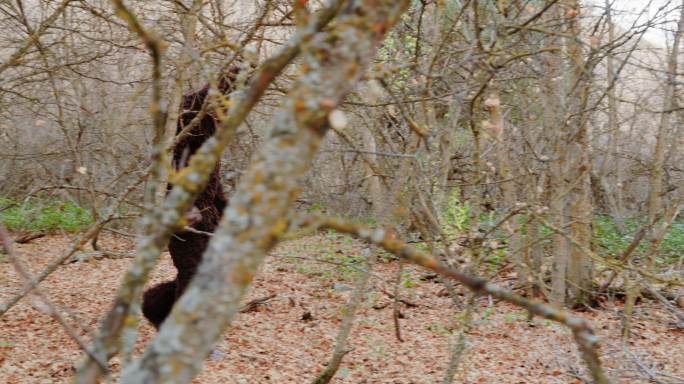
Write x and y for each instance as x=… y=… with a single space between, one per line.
x=315 y=208
x=486 y=314
x=672 y=246
x=515 y=317
x=611 y=243
x=423 y=247
x=495 y=259
x=44 y=215
x=6 y=344
x=409 y=283
x=306 y=270
x=456 y=217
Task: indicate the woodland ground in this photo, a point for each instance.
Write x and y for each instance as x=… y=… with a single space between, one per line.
x=273 y=344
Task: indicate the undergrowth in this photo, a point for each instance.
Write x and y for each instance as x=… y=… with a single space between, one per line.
x=43 y=215
x=611 y=243
x=608 y=240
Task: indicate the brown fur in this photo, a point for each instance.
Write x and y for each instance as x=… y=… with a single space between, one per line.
x=186 y=248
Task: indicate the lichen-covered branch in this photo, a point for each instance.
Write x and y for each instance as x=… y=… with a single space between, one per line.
x=104 y=345
x=584 y=335
x=258 y=213
x=162 y=222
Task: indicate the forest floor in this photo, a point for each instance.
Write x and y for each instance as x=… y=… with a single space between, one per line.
x=275 y=344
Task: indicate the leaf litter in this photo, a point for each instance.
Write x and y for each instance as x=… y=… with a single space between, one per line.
x=289 y=337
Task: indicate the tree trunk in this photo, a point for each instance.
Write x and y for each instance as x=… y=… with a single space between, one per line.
x=655 y=193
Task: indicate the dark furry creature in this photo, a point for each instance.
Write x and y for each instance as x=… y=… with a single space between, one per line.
x=186 y=248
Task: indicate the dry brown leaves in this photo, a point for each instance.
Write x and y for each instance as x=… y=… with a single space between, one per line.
x=272 y=344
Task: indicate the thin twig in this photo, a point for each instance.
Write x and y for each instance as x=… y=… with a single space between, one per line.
x=582 y=331
x=51 y=308
x=396 y=314
x=74 y=247
x=341 y=349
